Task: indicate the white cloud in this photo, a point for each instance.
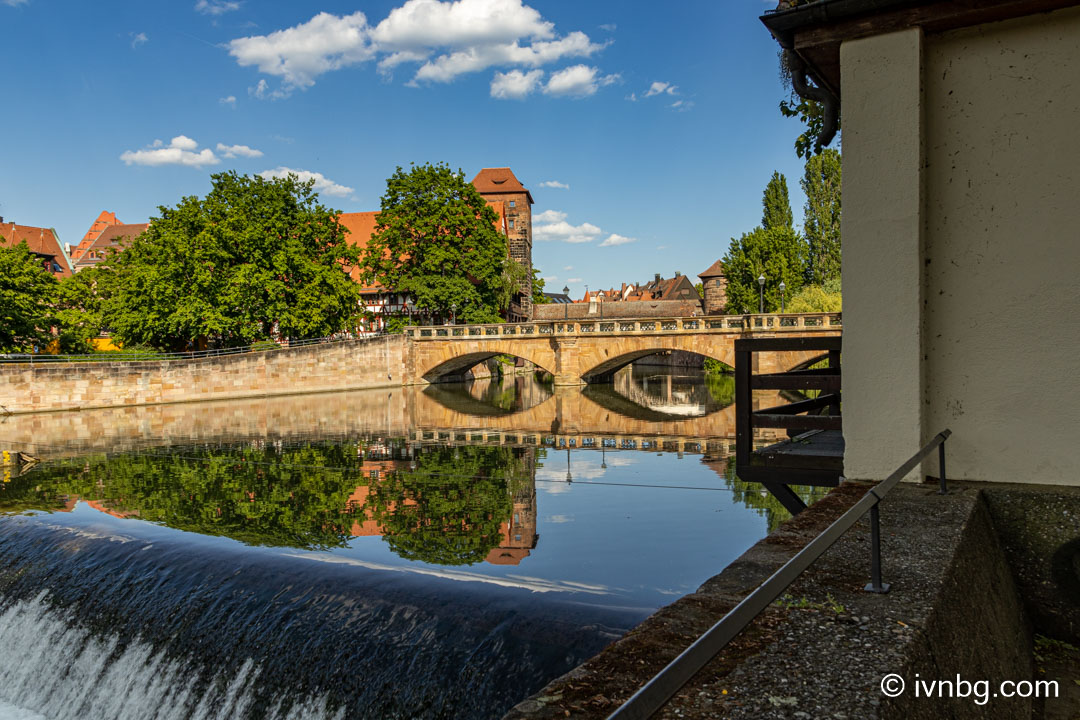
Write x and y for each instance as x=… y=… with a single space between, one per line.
x=551 y=225
x=216 y=7
x=138 y=39
x=577 y=81
x=446 y=38
x=614 y=239
x=608 y=27
x=181 y=150
x=549 y=278
x=658 y=88
x=230 y=101
x=232 y=151
x=568 y=268
x=549 y=216
x=300 y=54
x=573 y=280
x=515 y=84
x=554 y=184
x=632 y=97
x=14 y=3
x=682 y=105
x=323 y=184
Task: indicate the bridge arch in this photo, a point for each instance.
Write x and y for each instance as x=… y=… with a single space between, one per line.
x=443 y=362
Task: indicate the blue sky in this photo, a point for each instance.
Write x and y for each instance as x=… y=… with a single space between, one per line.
x=660 y=120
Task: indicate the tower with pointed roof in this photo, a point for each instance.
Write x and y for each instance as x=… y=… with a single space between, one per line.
x=500 y=185
x=714 y=286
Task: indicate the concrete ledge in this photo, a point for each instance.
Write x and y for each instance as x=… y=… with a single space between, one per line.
x=823 y=652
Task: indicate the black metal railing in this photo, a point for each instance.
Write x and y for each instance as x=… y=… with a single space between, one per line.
x=153 y=356
x=652 y=696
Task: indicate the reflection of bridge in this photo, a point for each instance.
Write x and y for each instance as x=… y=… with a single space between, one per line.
x=582 y=351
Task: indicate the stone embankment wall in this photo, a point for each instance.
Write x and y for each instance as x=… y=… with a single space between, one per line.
x=377 y=362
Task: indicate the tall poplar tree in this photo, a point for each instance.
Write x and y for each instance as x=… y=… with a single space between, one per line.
x=821 y=224
x=777 y=206
x=773 y=250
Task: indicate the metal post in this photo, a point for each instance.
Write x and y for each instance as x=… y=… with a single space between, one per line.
x=875 y=585
x=943 y=490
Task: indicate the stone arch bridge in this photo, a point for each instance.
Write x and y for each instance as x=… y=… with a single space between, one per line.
x=577 y=352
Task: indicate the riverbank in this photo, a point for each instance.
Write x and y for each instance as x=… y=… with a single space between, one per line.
x=955 y=609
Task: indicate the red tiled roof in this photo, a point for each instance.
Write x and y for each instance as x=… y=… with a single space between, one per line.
x=715 y=270
x=42 y=241
x=104 y=220
x=113 y=236
x=492 y=181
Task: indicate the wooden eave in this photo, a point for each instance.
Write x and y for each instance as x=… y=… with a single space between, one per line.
x=816 y=29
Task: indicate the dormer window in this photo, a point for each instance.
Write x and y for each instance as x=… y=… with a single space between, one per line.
x=512 y=203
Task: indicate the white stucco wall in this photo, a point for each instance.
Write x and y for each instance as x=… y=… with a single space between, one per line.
x=967 y=301
x=1002 y=247
x=882 y=232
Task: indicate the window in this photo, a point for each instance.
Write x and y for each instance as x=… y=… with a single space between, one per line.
x=511 y=224
x=512 y=203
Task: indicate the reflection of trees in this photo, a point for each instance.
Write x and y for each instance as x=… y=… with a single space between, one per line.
x=450 y=508
x=756 y=497
x=294 y=497
x=721 y=387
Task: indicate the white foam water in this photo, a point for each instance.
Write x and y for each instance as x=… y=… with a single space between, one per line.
x=52 y=669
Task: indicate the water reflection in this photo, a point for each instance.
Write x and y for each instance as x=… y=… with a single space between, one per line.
x=438 y=552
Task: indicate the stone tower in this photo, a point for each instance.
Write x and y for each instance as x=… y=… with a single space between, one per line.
x=714 y=285
x=500 y=185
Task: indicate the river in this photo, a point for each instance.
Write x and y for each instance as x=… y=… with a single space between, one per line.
x=405 y=553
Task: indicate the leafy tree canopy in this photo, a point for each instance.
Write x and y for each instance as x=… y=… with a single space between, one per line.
x=821 y=183
x=255 y=254
x=538 y=296
x=79 y=308
x=776 y=211
x=774 y=250
x=436 y=239
x=818 y=298
x=27 y=295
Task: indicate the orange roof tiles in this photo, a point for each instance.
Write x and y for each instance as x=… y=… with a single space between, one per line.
x=715 y=270
x=113 y=236
x=41 y=241
x=104 y=220
x=492 y=181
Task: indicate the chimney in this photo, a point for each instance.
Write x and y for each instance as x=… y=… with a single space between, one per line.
x=678 y=274
x=657 y=277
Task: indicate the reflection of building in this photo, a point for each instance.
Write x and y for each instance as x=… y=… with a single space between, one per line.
x=517 y=533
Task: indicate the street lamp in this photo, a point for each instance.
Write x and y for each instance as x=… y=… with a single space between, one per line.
x=453 y=313
x=569 y=477
x=566 y=305
x=783 y=287
x=761 y=286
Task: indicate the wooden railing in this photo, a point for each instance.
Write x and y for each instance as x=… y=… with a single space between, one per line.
x=778 y=322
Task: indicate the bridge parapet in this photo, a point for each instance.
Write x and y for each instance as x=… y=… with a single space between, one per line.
x=775 y=322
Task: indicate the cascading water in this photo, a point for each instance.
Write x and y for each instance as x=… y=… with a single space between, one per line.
x=146 y=624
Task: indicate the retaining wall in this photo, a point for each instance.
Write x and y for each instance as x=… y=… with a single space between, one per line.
x=315 y=368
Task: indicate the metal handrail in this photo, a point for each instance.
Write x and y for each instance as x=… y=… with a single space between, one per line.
x=152 y=356
x=652 y=696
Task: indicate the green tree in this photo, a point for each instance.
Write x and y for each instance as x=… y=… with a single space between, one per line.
x=812 y=115
x=27 y=296
x=774 y=250
x=776 y=211
x=79 y=308
x=538 y=296
x=436 y=239
x=821 y=183
x=255 y=255
x=818 y=298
